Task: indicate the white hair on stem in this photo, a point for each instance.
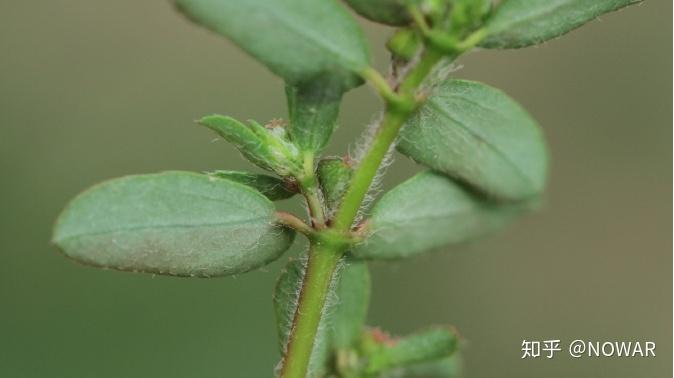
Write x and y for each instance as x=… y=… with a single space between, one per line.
x=360 y=150
x=324 y=324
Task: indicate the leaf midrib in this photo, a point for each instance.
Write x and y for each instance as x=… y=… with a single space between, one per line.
x=165 y=226
x=486 y=142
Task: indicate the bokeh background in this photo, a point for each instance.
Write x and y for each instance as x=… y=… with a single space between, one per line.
x=94 y=89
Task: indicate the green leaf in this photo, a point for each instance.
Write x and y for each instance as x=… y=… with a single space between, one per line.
x=296 y=39
x=468 y=14
x=404 y=44
x=286 y=295
x=427 y=212
x=521 y=23
x=344 y=315
x=313 y=108
x=478 y=135
x=272 y=187
x=390 y=12
x=334 y=175
x=432 y=344
x=174 y=223
x=350 y=303
x=267 y=147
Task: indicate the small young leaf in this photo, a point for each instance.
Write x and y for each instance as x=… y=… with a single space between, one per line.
x=521 y=23
x=334 y=175
x=174 y=223
x=428 y=212
x=389 y=12
x=296 y=39
x=404 y=44
x=433 y=344
x=272 y=187
x=313 y=108
x=267 y=148
x=468 y=14
x=344 y=315
x=478 y=135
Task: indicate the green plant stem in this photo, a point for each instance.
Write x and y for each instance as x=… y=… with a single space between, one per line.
x=309 y=187
x=324 y=257
x=323 y=260
x=315 y=206
x=394 y=117
x=367 y=169
x=429 y=59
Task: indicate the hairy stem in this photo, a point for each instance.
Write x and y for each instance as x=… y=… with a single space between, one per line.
x=394 y=117
x=294 y=222
x=323 y=260
x=363 y=176
x=323 y=257
x=310 y=190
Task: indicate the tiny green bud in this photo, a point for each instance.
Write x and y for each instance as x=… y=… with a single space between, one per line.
x=265 y=146
x=334 y=175
x=468 y=14
x=404 y=44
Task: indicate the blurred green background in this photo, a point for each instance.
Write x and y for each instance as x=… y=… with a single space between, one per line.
x=96 y=89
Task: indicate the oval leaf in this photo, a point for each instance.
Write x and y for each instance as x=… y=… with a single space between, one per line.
x=174 y=223
x=427 y=212
x=271 y=187
x=521 y=23
x=296 y=39
x=478 y=135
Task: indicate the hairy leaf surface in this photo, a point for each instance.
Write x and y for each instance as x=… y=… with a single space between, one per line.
x=427 y=212
x=521 y=23
x=478 y=135
x=174 y=223
x=296 y=39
